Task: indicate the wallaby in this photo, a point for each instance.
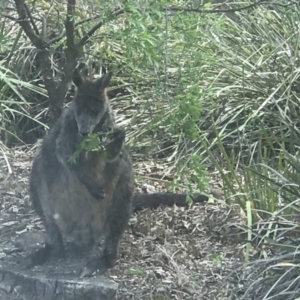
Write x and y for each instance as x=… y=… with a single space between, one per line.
x=89 y=201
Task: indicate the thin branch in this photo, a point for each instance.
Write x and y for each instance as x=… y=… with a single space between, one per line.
x=50 y=9
x=31 y=19
x=96 y=27
x=58 y=38
x=69 y=24
x=24 y=23
x=208 y=11
x=86 y=20
x=63 y=33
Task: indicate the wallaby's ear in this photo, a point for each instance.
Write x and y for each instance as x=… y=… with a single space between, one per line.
x=77 y=79
x=105 y=80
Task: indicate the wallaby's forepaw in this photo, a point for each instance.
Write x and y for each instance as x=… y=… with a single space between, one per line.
x=115 y=138
x=118 y=135
x=95 y=265
x=113 y=143
x=97 y=191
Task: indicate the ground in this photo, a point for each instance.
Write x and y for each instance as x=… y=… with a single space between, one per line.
x=166 y=253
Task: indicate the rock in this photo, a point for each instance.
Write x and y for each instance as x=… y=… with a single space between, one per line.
x=29 y=285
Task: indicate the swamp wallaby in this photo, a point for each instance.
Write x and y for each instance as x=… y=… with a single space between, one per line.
x=89 y=201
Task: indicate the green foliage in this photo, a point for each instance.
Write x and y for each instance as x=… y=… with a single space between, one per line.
x=13 y=103
x=256 y=75
x=90 y=143
x=183 y=115
x=3 y=42
x=275 y=206
x=137 y=271
x=140 y=36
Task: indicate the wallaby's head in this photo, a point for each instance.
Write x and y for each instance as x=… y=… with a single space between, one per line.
x=91 y=102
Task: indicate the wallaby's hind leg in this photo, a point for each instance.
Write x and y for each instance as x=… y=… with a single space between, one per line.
x=118 y=214
x=54 y=243
x=105 y=259
x=96 y=263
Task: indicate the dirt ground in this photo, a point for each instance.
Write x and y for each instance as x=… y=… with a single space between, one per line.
x=166 y=253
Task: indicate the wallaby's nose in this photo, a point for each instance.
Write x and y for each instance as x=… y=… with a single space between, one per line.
x=84 y=133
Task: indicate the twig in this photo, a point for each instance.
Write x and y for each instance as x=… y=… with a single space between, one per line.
x=31 y=19
x=50 y=9
x=63 y=33
x=58 y=38
x=209 y=11
x=86 y=20
x=96 y=27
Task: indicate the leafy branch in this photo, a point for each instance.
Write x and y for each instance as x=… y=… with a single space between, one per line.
x=90 y=143
x=56 y=91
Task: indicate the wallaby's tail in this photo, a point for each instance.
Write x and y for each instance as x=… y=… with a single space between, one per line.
x=154 y=200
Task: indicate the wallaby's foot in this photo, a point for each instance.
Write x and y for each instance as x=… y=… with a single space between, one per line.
x=43 y=254
x=98 y=265
x=39 y=257
x=101 y=263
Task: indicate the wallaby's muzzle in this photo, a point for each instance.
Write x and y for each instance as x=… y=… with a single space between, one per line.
x=83 y=133
x=86 y=124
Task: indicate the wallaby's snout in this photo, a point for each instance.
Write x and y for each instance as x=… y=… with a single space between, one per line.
x=87 y=121
x=83 y=133
x=84 y=129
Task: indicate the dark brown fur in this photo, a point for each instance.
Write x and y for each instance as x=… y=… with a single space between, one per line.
x=91 y=201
